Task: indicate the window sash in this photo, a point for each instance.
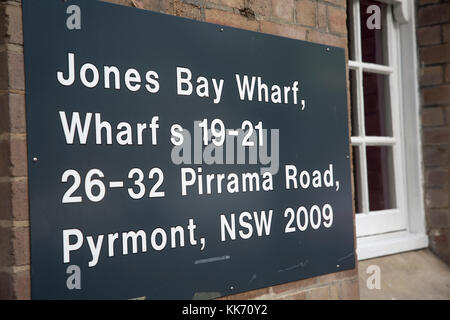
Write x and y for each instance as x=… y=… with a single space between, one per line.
x=375 y=222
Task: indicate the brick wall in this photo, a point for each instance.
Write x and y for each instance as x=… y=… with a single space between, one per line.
x=312 y=20
x=14 y=225
x=433 y=37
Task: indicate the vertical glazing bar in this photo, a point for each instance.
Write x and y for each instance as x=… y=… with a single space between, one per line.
x=360 y=102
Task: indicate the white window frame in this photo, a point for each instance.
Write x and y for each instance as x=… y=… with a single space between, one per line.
x=403 y=228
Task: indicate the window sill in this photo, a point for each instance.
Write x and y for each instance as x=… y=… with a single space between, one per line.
x=389 y=243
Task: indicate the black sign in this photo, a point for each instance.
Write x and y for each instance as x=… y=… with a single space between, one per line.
x=170 y=158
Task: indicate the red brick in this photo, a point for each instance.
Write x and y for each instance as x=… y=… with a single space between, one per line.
x=436 y=95
x=439 y=238
x=6 y=286
x=294 y=285
x=337 y=20
x=14 y=28
x=349 y=290
x=14 y=200
x=306 y=12
x=22 y=285
x=447 y=115
x=283 y=9
x=326 y=38
x=137 y=4
x=121 y=2
x=5 y=201
x=3 y=70
x=435 y=54
x=433 y=116
x=442 y=252
x=424 y=2
x=230 y=19
x=247 y=295
x=322 y=20
x=336 y=276
x=5 y=162
x=166 y=6
x=4 y=113
x=342 y=3
x=229 y=3
x=261 y=7
x=437 y=198
x=432 y=76
x=429 y=35
x=434 y=14
x=295 y=296
x=3 y=25
x=438 y=135
x=18 y=157
x=334 y=291
x=447 y=73
x=153 y=5
x=436 y=156
x=446 y=32
x=6 y=247
x=16 y=71
x=15 y=285
x=437 y=176
x=438 y=218
x=17 y=113
x=21 y=246
x=321 y=293
x=12 y=113
x=19 y=200
x=285 y=30
x=186 y=10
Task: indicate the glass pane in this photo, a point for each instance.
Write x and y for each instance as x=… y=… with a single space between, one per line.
x=354 y=103
x=380 y=172
x=357 y=180
x=376 y=105
x=373 y=40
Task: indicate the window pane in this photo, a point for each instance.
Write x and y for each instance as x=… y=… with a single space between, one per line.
x=357 y=180
x=376 y=105
x=373 y=40
x=380 y=178
x=354 y=103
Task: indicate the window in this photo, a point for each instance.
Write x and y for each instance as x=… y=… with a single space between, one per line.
x=384 y=163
